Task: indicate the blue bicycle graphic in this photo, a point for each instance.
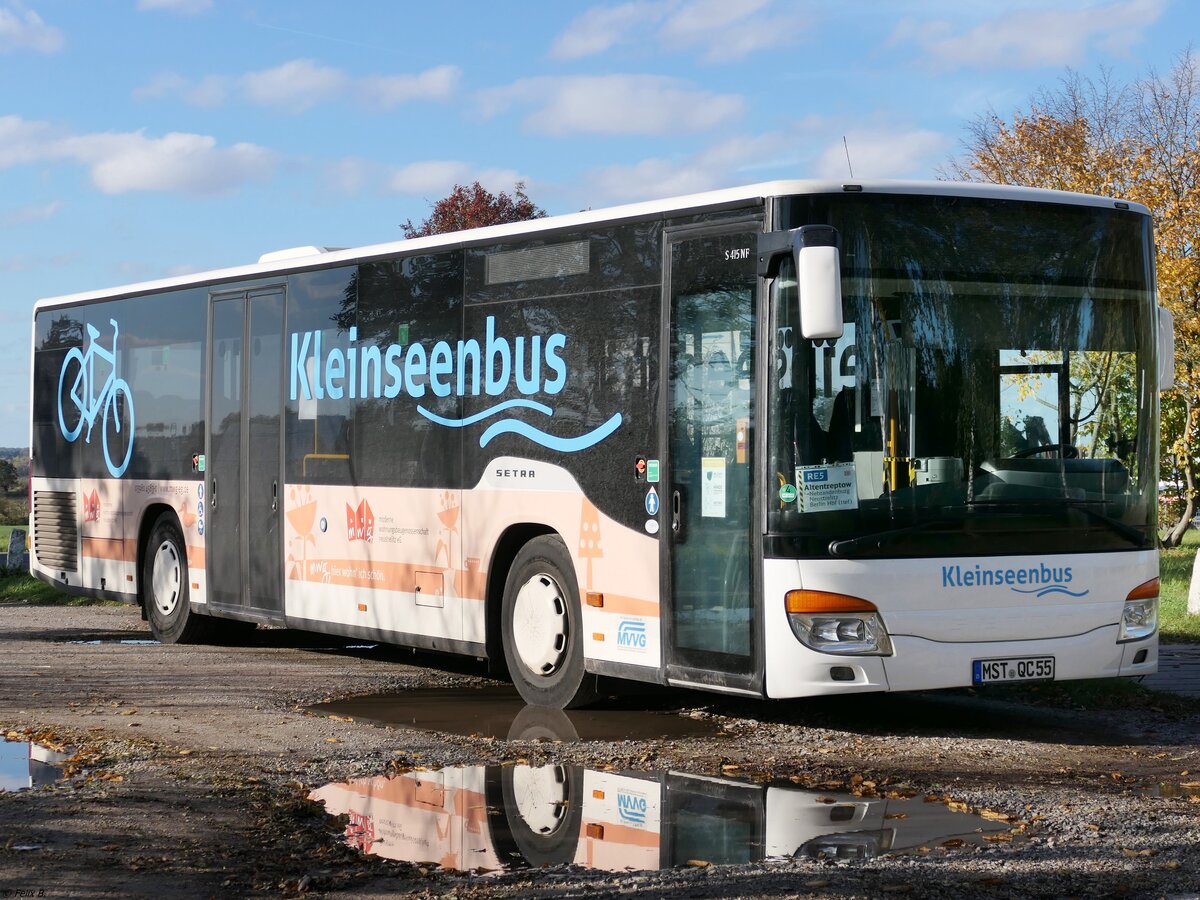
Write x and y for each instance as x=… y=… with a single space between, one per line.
x=82 y=403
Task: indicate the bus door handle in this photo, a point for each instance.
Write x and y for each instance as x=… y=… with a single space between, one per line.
x=274 y=496
x=212 y=495
x=677 y=515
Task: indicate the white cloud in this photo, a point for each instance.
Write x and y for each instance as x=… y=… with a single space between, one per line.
x=294 y=86
x=27 y=31
x=387 y=91
x=119 y=162
x=599 y=28
x=209 y=91
x=1023 y=39
x=883 y=153
x=33 y=213
x=720 y=30
x=300 y=84
x=808 y=148
x=717 y=166
x=22 y=141
x=185 y=7
x=192 y=163
x=438 y=176
x=613 y=104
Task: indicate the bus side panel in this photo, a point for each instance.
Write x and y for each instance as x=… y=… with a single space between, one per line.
x=376 y=557
x=611 y=560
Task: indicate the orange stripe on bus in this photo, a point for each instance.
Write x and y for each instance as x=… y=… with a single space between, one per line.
x=390 y=576
x=630 y=606
x=108 y=548
x=613 y=833
x=195 y=556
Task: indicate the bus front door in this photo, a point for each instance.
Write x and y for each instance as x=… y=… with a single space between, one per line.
x=709 y=609
x=244 y=550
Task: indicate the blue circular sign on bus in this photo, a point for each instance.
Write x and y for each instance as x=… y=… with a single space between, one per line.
x=652 y=502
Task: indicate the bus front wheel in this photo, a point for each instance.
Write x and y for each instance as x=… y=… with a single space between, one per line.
x=542 y=627
x=165 y=587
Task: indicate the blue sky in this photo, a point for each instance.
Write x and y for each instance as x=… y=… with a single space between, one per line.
x=149 y=138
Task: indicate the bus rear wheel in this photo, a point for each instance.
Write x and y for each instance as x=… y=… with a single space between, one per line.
x=165 y=587
x=542 y=627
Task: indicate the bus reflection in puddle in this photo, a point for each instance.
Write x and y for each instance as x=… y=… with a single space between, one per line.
x=25 y=765
x=492 y=818
x=499 y=712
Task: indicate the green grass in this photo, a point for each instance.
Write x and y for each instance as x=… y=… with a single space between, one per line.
x=1176 y=568
x=21 y=587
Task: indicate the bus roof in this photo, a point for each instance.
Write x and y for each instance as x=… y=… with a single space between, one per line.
x=303 y=258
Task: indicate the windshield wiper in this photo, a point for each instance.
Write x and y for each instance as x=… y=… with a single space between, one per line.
x=848 y=548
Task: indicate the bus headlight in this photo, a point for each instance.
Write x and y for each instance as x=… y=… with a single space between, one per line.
x=837 y=623
x=1139 y=618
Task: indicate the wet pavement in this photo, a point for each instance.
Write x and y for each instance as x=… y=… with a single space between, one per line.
x=499 y=712
x=500 y=818
x=1178 y=670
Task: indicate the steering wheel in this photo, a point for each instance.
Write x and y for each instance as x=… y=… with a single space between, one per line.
x=1065 y=451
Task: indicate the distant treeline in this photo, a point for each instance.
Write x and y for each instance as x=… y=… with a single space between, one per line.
x=13 y=452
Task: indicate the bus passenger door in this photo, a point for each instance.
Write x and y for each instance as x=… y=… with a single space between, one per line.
x=709 y=610
x=244 y=549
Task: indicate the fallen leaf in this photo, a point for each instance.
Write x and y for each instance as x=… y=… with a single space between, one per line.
x=699 y=863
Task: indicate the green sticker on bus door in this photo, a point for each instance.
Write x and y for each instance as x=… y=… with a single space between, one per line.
x=652 y=471
x=787 y=493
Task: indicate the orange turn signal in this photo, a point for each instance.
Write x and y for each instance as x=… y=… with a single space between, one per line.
x=1147 y=590
x=825 y=602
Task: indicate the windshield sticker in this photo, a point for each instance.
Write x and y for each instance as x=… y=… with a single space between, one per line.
x=535 y=365
x=827 y=488
x=712 y=487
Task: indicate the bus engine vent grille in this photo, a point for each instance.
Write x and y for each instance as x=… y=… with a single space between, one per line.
x=56 y=530
x=535 y=263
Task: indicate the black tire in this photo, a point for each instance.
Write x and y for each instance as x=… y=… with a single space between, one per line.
x=542 y=723
x=165 y=587
x=541 y=627
x=545 y=826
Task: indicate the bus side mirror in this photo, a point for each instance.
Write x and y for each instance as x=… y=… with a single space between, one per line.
x=819 y=271
x=1166 y=349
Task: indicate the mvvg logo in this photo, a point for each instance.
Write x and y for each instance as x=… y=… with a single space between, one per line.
x=631 y=634
x=360 y=523
x=631 y=808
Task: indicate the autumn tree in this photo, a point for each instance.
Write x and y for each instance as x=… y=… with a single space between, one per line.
x=475 y=207
x=1140 y=141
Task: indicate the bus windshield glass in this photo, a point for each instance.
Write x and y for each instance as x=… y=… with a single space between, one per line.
x=993 y=391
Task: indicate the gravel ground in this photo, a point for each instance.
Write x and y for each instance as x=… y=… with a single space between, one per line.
x=193 y=767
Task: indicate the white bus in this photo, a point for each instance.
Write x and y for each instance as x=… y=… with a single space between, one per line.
x=791 y=439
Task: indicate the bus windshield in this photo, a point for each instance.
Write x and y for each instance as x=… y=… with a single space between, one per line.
x=993 y=391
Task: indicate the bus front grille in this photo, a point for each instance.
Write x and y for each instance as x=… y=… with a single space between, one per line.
x=56 y=530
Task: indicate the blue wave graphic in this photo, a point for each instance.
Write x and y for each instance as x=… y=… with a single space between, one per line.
x=524 y=429
x=552 y=442
x=1051 y=589
x=490 y=411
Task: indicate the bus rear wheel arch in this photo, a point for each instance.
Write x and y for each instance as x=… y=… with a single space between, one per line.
x=166 y=589
x=541 y=627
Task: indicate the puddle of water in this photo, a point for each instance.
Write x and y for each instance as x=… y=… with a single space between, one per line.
x=1188 y=790
x=494 y=818
x=114 y=641
x=25 y=765
x=499 y=712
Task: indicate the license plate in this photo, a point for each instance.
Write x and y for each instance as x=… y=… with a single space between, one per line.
x=1033 y=668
